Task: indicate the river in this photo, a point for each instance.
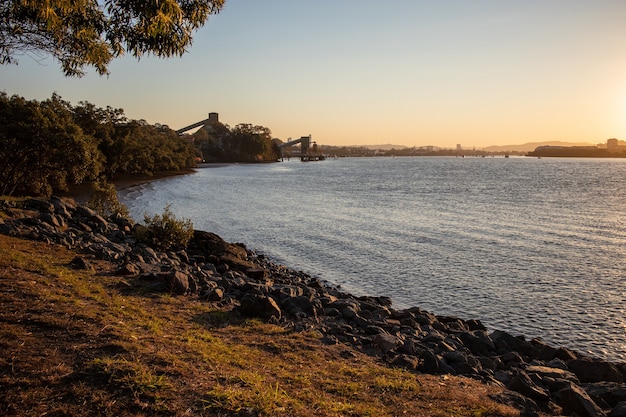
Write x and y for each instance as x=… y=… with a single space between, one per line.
x=531 y=246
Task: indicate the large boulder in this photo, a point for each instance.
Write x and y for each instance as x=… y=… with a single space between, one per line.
x=209 y=245
x=595 y=371
x=260 y=306
x=524 y=385
x=574 y=399
x=177 y=282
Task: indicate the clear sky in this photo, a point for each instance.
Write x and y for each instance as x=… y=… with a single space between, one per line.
x=359 y=72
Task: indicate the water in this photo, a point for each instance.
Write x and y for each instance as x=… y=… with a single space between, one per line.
x=530 y=246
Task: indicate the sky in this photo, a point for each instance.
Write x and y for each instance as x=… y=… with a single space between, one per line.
x=362 y=72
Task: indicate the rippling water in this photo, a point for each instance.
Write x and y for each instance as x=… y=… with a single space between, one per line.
x=531 y=246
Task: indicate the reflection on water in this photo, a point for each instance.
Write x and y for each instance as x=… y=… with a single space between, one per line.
x=531 y=246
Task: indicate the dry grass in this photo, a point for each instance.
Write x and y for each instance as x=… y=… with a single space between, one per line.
x=78 y=343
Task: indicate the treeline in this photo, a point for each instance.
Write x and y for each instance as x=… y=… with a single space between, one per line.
x=45 y=146
x=217 y=142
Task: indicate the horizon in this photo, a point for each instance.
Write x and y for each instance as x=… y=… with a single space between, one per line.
x=411 y=73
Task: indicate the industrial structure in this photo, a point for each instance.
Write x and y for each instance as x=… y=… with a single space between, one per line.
x=308 y=148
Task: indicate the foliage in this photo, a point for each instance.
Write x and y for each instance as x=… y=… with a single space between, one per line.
x=142 y=149
x=42 y=149
x=165 y=231
x=47 y=146
x=90 y=33
x=104 y=200
x=243 y=143
x=209 y=141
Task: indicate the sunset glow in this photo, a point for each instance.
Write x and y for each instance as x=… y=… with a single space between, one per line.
x=406 y=72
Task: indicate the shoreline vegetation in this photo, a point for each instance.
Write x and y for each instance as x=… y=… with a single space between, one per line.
x=220 y=330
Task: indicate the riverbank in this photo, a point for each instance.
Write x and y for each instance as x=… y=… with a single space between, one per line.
x=242 y=285
x=83 y=335
x=81 y=193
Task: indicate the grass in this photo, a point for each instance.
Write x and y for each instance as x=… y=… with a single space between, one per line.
x=76 y=343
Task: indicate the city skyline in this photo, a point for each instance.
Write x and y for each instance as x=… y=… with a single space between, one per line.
x=412 y=73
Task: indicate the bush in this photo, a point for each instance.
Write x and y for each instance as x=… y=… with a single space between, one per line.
x=103 y=199
x=165 y=231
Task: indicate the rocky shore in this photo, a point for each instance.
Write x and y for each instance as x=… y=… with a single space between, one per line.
x=539 y=378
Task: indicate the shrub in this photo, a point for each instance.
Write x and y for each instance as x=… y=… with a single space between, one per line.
x=165 y=231
x=103 y=199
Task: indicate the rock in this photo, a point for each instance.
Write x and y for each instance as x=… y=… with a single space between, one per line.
x=260 y=306
x=122 y=222
x=595 y=371
x=81 y=263
x=545 y=352
x=177 y=282
x=300 y=306
x=565 y=354
x=575 y=400
x=516 y=400
x=128 y=269
x=429 y=363
x=385 y=342
x=475 y=325
x=51 y=219
x=524 y=385
x=256 y=273
x=478 y=342
x=611 y=393
x=544 y=371
x=461 y=363
x=216 y=295
x=209 y=244
x=405 y=361
x=507 y=343
x=619 y=410
x=43 y=206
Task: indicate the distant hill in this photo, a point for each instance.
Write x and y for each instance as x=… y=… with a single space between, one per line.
x=531 y=146
x=386 y=147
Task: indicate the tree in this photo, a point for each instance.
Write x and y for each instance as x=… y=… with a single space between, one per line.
x=90 y=33
x=249 y=143
x=41 y=148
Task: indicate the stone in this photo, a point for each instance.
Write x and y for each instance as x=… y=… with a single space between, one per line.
x=81 y=263
x=565 y=354
x=461 y=363
x=574 y=399
x=405 y=361
x=256 y=273
x=300 y=306
x=612 y=393
x=43 y=206
x=260 y=306
x=595 y=371
x=522 y=383
x=216 y=295
x=177 y=282
x=51 y=219
x=545 y=352
x=507 y=342
x=478 y=342
x=429 y=363
x=544 y=371
x=128 y=269
x=385 y=342
x=528 y=407
x=619 y=410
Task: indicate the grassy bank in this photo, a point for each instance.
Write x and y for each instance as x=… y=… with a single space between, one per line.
x=89 y=343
